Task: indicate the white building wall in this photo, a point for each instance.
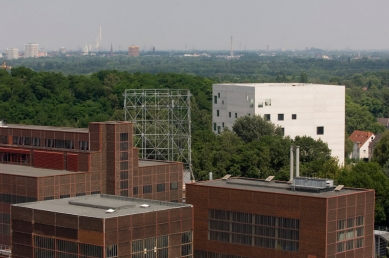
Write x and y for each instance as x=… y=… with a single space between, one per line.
x=12 y=53
x=31 y=50
x=314 y=105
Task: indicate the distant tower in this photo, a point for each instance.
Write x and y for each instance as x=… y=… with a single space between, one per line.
x=268 y=48
x=98 y=41
x=231 y=52
x=111 y=52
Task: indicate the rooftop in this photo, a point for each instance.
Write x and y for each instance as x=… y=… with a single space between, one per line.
x=281 y=187
x=149 y=162
x=360 y=137
x=20 y=170
x=46 y=128
x=276 y=84
x=97 y=206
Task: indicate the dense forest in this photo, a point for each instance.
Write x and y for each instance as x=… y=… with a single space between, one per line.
x=48 y=96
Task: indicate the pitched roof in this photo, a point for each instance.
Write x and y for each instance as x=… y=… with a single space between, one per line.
x=360 y=136
x=384 y=122
x=377 y=138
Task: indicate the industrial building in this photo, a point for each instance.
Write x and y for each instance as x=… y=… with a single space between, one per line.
x=299 y=109
x=31 y=50
x=133 y=51
x=43 y=163
x=102 y=226
x=12 y=53
x=252 y=218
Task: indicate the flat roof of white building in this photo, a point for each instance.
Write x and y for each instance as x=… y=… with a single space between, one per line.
x=275 y=84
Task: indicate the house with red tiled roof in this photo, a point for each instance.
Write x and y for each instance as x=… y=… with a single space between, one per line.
x=361 y=142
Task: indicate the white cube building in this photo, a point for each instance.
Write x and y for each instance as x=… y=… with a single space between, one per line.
x=12 y=53
x=313 y=110
x=31 y=50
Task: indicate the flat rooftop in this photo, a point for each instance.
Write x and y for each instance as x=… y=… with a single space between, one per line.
x=97 y=206
x=281 y=187
x=46 y=128
x=275 y=84
x=149 y=162
x=19 y=170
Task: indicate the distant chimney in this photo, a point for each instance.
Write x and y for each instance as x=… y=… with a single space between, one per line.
x=297 y=161
x=210 y=176
x=291 y=163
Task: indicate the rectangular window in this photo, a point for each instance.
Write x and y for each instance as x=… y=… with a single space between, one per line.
x=64 y=196
x=217 y=112
x=341 y=224
x=26 y=140
x=123 y=184
x=36 y=142
x=174 y=186
x=124 y=146
x=4 y=139
x=59 y=144
x=80 y=194
x=267 y=117
x=124 y=165
x=123 y=137
x=147 y=189
x=359 y=220
x=161 y=187
x=16 y=140
x=294 y=116
x=340 y=247
x=135 y=190
x=218 y=95
x=223 y=124
x=123 y=156
x=260 y=104
x=350 y=245
x=283 y=131
x=69 y=144
x=359 y=243
x=214 y=126
x=267 y=102
x=251 y=103
x=84 y=145
x=280 y=117
x=218 y=129
x=123 y=175
x=214 y=99
x=229 y=114
x=320 y=130
x=236 y=115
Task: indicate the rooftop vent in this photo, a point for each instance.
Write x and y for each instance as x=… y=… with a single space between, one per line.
x=144 y=205
x=308 y=184
x=110 y=211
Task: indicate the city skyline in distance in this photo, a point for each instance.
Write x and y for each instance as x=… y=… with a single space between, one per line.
x=201 y=25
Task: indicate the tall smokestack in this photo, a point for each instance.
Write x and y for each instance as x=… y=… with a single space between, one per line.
x=291 y=162
x=297 y=161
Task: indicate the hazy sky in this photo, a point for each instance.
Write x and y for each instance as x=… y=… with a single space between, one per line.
x=198 y=24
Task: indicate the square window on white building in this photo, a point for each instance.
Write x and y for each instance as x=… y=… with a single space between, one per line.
x=260 y=104
x=267 y=102
x=280 y=117
x=267 y=117
x=320 y=130
x=294 y=116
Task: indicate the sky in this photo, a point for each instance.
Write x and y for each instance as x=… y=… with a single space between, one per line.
x=196 y=24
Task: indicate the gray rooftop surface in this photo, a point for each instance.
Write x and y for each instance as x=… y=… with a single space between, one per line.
x=272 y=187
x=46 y=128
x=149 y=162
x=29 y=171
x=276 y=84
x=96 y=206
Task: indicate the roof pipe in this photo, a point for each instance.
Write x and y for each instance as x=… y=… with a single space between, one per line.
x=297 y=161
x=291 y=163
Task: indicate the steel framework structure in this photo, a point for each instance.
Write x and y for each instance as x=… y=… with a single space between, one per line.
x=162 y=123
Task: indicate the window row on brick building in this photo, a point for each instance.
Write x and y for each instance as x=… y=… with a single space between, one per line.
x=254 y=230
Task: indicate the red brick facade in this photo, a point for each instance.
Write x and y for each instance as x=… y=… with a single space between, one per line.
x=318 y=217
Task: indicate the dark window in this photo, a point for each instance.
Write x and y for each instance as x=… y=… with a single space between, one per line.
x=80 y=194
x=280 y=117
x=147 y=189
x=320 y=130
x=124 y=193
x=123 y=137
x=267 y=117
x=229 y=114
x=69 y=144
x=214 y=126
x=123 y=156
x=135 y=190
x=36 y=142
x=59 y=144
x=161 y=187
x=27 y=141
x=218 y=129
x=236 y=115
x=294 y=116
x=123 y=175
x=215 y=99
x=4 y=139
x=174 y=186
x=64 y=196
x=223 y=124
x=95 y=192
x=48 y=198
x=124 y=165
x=217 y=112
x=283 y=131
x=84 y=145
x=218 y=95
x=123 y=184
x=124 y=146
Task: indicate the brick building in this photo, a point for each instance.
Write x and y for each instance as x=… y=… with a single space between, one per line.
x=244 y=218
x=102 y=226
x=42 y=163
